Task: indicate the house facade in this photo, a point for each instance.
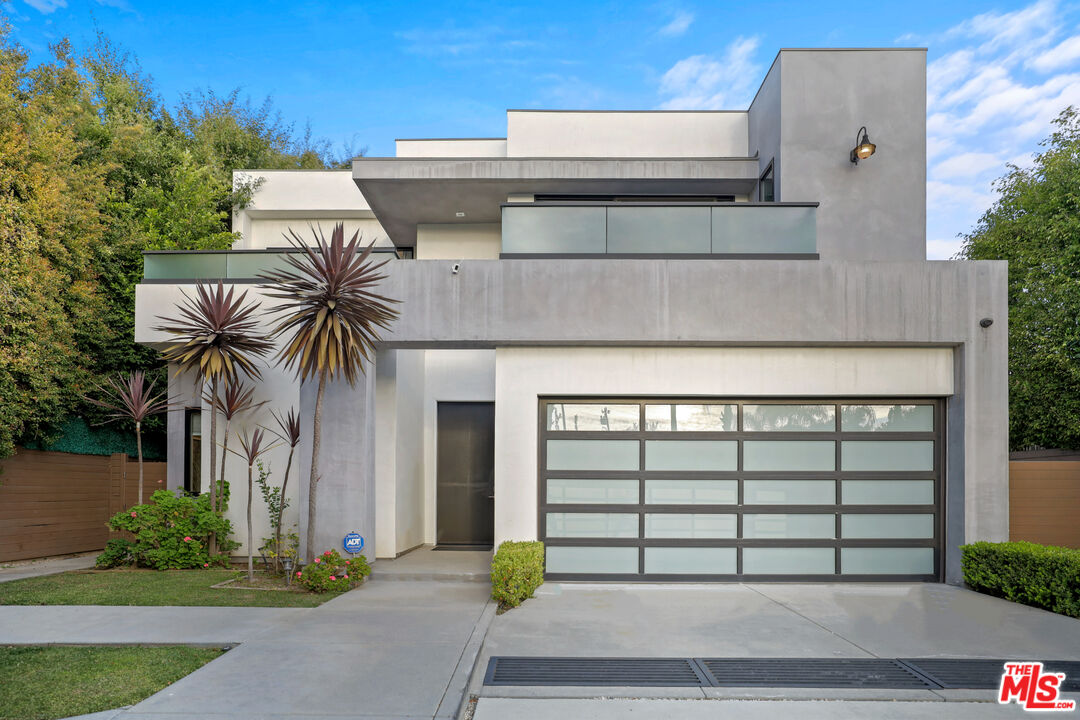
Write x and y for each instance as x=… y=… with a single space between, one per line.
x=671 y=345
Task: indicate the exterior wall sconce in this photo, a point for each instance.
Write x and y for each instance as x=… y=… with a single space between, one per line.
x=863 y=148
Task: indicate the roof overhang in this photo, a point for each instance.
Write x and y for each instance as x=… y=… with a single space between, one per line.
x=405 y=192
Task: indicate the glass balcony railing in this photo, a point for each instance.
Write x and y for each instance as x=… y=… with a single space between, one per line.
x=227 y=265
x=650 y=229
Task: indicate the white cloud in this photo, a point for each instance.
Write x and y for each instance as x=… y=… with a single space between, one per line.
x=678 y=25
x=703 y=82
x=46 y=6
x=991 y=95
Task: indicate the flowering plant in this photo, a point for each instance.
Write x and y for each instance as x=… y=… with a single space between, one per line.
x=332 y=573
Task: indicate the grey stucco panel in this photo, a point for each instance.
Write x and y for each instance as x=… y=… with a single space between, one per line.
x=764 y=126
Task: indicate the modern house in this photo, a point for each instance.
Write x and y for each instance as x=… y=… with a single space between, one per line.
x=671 y=345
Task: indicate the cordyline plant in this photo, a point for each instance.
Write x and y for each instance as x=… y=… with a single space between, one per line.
x=217 y=339
x=332 y=318
x=237 y=398
x=288 y=431
x=133 y=399
x=253 y=448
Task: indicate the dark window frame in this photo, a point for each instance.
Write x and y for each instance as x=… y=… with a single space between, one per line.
x=188 y=412
x=767 y=175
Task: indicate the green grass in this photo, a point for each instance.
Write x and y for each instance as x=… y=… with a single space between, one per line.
x=42 y=683
x=147 y=587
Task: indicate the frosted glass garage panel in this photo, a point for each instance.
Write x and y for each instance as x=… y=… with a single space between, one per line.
x=592 y=454
x=887 y=527
x=789 y=455
x=590 y=525
x=584 y=491
x=888 y=492
x=789 y=525
x=887 y=561
x=658 y=230
x=690 y=561
x=594 y=560
x=691 y=455
x=692 y=418
x=887 y=455
x=764 y=229
x=556 y=230
x=789 y=418
x=788 y=561
x=689 y=525
x=691 y=492
x=573 y=417
x=789 y=492
x=887 y=418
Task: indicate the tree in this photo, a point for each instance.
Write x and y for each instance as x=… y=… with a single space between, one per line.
x=217 y=339
x=133 y=399
x=252 y=448
x=288 y=431
x=236 y=399
x=1035 y=225
x=332 y=317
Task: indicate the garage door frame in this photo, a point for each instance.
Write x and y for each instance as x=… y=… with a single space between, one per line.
x=939 y=509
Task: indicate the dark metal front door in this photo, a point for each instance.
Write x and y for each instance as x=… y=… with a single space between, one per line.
x=465 y=474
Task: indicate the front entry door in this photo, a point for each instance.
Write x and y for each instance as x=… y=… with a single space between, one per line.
x=465 y=474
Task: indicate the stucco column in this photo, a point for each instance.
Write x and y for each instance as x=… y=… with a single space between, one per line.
x=345 y=499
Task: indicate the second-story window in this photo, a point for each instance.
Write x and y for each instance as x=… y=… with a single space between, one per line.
x=765 y=186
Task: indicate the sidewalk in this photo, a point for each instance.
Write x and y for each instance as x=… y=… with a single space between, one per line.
x=49 y=566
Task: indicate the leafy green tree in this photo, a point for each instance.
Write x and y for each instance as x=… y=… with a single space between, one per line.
x=1035 y=225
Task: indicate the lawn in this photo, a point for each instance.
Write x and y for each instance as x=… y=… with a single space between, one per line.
x=148 y=587
x=42 y=683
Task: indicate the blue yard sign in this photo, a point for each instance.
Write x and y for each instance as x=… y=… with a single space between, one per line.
x=354 y=542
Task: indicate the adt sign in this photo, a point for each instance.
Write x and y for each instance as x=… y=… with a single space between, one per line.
x=353 y=543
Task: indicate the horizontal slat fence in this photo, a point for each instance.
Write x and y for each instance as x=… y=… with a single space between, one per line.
x=1044 y=501
x=54 y=503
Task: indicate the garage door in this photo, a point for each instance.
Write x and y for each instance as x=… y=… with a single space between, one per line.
x=668 y=489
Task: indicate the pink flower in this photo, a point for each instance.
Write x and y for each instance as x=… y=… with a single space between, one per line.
x=326 y=553
x=134 y=514
x=345 y=577
x=318 y=559
x=206 y=564
x=299 y=574
x=333 y=578
x=187 y=539
x=348 y=562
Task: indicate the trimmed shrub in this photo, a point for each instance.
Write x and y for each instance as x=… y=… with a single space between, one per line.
x=332 y=573
x=172 y=533
x=118 y=551
x=1039 y=575
x=516 y=571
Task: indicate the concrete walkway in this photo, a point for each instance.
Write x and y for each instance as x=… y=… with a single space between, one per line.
x=48 y=566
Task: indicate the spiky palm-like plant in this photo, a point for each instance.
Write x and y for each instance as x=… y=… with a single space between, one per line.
x=217 y=338
x=253 y=448
x=133 y=399
x=332 y=318
x=288 y=431
x=237 y=398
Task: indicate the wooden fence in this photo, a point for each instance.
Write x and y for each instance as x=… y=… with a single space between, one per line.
x=54 y=503
x=1044 y=501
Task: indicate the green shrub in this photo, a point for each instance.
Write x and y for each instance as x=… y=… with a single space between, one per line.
x=516 y=571
x=1039 y=575
x=118 y=551
x=332 y=573
x=173 y=532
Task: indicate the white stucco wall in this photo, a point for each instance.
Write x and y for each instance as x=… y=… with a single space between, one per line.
x=269 y=232
x=523 y=374
x=458 y=241
x=533 y=133
x=451 y=147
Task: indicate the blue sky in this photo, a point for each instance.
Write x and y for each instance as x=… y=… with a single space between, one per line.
x=364 y=74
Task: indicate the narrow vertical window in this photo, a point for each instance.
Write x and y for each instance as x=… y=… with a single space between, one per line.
x=193 y=451
x=765 y=185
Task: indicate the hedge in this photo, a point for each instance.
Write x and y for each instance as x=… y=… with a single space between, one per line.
x=1039 y=575
x=516 y=571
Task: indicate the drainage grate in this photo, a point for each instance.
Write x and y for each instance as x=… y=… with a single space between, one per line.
x=636 y=672
x=977 y=674
x=813 y=673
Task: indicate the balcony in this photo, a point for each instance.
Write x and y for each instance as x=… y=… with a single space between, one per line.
x=233 y=266
x=699 y=230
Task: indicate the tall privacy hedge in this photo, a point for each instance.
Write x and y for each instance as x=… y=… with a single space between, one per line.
x=1039 y=575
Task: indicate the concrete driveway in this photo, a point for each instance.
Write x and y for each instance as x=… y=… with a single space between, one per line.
x=775 y=620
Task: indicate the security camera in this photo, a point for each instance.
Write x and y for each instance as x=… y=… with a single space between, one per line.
x=454 y=268
x=986 y=322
